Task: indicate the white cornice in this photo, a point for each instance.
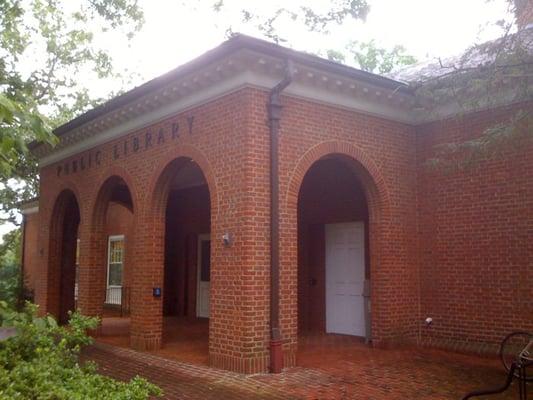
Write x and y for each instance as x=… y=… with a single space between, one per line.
x=243 y=69
x=145 y=120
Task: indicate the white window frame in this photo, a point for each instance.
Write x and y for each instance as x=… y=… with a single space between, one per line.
x=114 y=238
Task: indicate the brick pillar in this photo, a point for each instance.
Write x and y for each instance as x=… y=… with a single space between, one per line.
x=147 y=274
x=44 y=257
x=92 y=270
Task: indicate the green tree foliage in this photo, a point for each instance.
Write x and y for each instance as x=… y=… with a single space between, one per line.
x=41 y=361
x=10 y=247
x=17 y=117
x=370 y=57
x=9 y=283
x=313 y=19
x=10 y=279
x=44 y=46
x=486 y=76
x=367 y=56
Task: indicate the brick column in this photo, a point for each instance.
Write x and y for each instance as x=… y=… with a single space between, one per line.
x=147 y=274
x=92 y=270
x=46 y=258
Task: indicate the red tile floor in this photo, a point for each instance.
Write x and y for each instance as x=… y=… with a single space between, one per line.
x=329 y=367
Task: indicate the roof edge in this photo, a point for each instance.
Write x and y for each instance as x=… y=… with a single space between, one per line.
x=235 y=43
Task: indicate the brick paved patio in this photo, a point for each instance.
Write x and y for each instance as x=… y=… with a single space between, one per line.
x=183 y=339
x=330 y=367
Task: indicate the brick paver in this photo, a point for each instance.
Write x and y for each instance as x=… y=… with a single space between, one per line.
x=177 y=379
x=354 y=372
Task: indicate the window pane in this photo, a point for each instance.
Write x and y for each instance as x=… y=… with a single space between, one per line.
x=116 y=251
x=115 y=274
x=116 y=257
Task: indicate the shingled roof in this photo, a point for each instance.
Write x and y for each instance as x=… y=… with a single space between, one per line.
x=475 y=57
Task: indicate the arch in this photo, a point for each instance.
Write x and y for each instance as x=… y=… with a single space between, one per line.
x=63 y=235
x=372 y=183
x=106 y=183
x=94 y=270
x=162 y=204
x=159 y=181
x=65 y=187
x=147 y=332
x=369 y=175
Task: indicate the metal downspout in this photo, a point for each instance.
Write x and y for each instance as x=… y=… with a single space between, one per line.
x=274 y=115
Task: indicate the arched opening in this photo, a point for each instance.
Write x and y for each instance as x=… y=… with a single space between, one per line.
x=64 y=246
x=187 y=260
x=118 y=242
x=333 y=253
x=113 y=239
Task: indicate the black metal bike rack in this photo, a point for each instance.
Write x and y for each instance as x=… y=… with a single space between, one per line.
x=516 y=366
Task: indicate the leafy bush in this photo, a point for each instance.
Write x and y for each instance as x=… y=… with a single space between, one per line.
x=9 y=283
x=10 y=290
x=41 y=361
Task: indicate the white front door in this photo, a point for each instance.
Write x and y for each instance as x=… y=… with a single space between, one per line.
x=204 y=276
x=345 y=278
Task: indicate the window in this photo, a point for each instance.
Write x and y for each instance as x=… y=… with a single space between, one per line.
x=115 y=261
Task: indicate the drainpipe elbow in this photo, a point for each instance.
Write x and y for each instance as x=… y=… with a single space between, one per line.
x=274 y=99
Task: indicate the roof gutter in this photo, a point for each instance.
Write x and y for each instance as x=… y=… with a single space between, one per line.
x=274 y=116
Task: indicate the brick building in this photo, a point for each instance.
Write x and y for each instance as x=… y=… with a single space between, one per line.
x=276 y=193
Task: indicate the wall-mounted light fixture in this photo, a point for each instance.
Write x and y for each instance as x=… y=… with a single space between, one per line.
x=227 y=239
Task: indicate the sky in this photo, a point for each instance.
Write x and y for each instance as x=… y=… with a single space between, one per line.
x=177 y=31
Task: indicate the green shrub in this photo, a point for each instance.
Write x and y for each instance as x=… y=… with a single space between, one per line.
x=9 y=268
x=9 y=283
x=41 y=361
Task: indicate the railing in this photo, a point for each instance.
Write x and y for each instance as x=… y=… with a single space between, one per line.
x=113 y=295
x=120 y=297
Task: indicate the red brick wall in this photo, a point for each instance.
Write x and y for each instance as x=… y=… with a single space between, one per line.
x=383 y=155
x=220 y=144
x=230 y=143
x=31 y=252
x=476 y=230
